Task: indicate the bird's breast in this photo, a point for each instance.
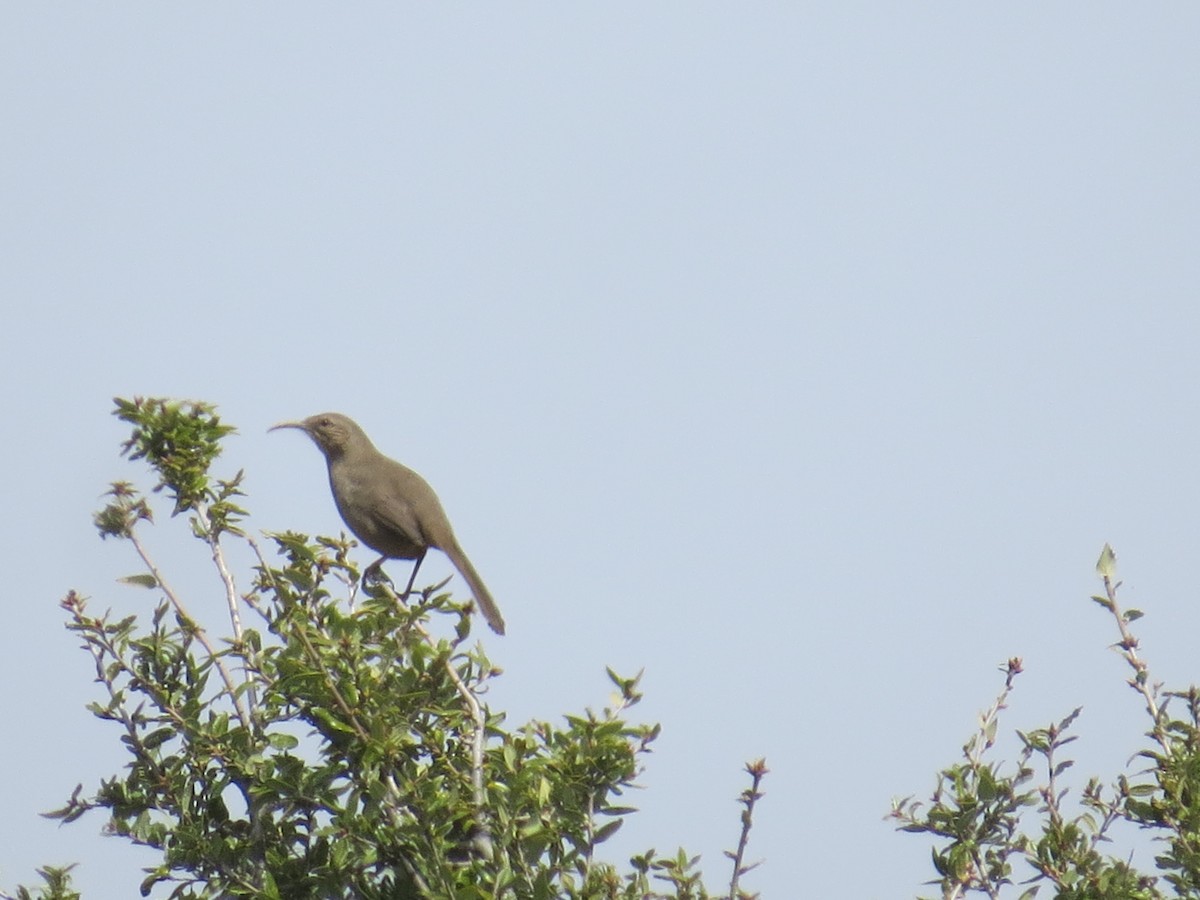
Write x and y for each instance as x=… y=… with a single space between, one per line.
x=374 y=514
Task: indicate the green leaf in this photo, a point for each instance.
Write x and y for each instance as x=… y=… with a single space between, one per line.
x=607 y=831
x=158 y=737
x=281 y=741
x=146 y=580
x=1106 y=565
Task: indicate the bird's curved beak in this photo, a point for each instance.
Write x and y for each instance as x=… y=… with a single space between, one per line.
x=299 y=425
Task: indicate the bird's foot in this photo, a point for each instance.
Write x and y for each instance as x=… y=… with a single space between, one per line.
x=374 y=575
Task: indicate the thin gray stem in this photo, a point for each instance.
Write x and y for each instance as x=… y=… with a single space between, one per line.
x=231 y=598
x=1141 y=676
x=749 y=797
x=195 y=628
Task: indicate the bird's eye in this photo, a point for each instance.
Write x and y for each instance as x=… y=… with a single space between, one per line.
x=325 y=423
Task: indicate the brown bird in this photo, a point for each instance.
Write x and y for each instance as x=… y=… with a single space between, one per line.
x=388 y=506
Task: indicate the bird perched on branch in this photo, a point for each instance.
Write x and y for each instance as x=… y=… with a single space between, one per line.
x=388 y=506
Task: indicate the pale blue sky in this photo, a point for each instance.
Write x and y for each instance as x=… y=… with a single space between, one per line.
x=805 y=355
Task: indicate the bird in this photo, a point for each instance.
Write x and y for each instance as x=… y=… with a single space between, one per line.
x=388 y=506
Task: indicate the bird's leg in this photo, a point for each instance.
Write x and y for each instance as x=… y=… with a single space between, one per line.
x=413 y=576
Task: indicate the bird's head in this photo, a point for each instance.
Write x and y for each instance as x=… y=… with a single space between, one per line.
x=331 y=432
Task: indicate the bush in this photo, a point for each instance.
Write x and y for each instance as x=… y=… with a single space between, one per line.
x=979 y=809
x=333 y=746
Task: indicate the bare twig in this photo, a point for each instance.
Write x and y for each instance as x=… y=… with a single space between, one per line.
x=983 y=740
x=231 y=599
x=590 y=825
x=979 y=744
x=214 y=543
x=1127 y=647
x=262 y=561
x=750 y=796
x=195 y=628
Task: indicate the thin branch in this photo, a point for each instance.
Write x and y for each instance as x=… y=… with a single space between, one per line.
x=750 y=796
x=231 y=594
x=262 y=561
x=196 y=630
x=101 y=648
x=590 y=825
x=314 y=656
x=476 y=713
x=345 y=707
x=1141 y=676
x=393 y=814
x=982 y=741
x=231 y=598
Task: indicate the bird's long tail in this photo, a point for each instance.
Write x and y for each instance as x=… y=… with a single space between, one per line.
x=483 y=598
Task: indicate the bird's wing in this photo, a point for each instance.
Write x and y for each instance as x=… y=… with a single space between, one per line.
x=397 y=506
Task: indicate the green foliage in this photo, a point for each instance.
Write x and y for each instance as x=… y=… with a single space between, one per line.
x=333 y=747
x=980 y=809
x=180 y=441
x=58 y=886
